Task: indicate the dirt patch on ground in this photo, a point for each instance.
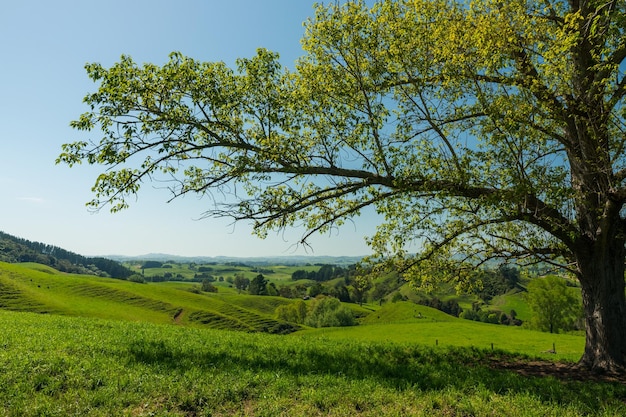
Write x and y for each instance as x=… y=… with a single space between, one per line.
x=562 y=371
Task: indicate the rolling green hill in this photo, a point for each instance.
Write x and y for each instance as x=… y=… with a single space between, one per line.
x=61 y=366
x=40 y=289
x=167 y=349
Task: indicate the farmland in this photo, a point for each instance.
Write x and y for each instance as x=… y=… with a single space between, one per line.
x=82 y=345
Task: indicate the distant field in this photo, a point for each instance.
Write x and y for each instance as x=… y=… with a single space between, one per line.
x=515 y=302
x=279 y=274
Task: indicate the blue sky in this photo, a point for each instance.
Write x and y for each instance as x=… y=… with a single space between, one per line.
x=45 y=45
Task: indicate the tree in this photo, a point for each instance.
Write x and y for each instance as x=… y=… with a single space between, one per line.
x=258 y=285
x=241 y=283
x=554 y=305
x=510 y=275
x=477 y=129
x=328 y=312
x=207 y=286
x=359 y=287
x=294 y=312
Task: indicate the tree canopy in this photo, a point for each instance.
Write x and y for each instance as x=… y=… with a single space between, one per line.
x=555 y=306
x=478 y=129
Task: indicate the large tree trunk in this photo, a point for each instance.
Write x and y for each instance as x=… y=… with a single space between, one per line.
x=604 y=302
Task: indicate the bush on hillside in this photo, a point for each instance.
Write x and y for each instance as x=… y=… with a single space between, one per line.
x=328 y=312
x=136 y=278
x=325 y=273
x=207 y=286
x=294 y=312
x=320 y=312
x=450 y=307
x=490 y=316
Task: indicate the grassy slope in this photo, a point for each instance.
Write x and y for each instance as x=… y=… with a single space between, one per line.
x=28 y=288
x=33 y=288
x=405 y=322
x=513 y=301
x=59 y=366
x=404 y=359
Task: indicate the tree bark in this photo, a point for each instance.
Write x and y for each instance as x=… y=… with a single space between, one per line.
x=604 y=303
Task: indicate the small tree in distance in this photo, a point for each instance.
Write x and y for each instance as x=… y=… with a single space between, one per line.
x=241 y=283
x=258 y=285
x=554 y=305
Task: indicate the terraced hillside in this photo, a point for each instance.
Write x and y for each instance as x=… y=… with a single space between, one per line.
x=40 y=289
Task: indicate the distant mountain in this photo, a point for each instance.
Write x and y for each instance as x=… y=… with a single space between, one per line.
x=14 y=249
x=270 y=260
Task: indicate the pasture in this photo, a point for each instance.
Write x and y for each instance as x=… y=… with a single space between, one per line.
x=63 y=366
x=80 y=345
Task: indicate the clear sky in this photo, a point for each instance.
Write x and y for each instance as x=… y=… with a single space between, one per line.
x=45 y=45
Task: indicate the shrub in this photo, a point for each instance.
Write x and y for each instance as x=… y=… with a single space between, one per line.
x=321 y=312
x=398 y=297
x=137 y=278
x=207 y=286
x=295 y=312
x=328 y=312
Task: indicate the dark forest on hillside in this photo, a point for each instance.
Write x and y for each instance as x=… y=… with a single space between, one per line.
x=14 y=249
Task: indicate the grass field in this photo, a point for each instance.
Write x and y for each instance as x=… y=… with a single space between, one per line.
x=278 y=274
x=64 y=366
x=108 y=347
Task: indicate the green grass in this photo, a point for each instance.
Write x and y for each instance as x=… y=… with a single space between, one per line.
x=63 y=366
x=111 y=347
x=513 y=301
x=403 y=312
x=280 y=274
x=28 y=288
x=463 y=333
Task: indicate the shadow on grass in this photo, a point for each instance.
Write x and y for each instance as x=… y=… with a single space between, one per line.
x=399 y=367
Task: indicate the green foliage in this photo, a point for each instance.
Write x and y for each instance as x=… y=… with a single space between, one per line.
x=449 y=307
x=498 y=281
x=320 y=312
x=258 y=285
x=293 y=312
x=136 y=278
x=554 y=305
x=151 y=264
x=240 y=282
x=325 y=273
x=359 y=285
x=207 y=286
x=328 y=312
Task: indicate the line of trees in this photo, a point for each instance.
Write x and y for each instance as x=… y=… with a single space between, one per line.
x=14 y=249
x=325 y=273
